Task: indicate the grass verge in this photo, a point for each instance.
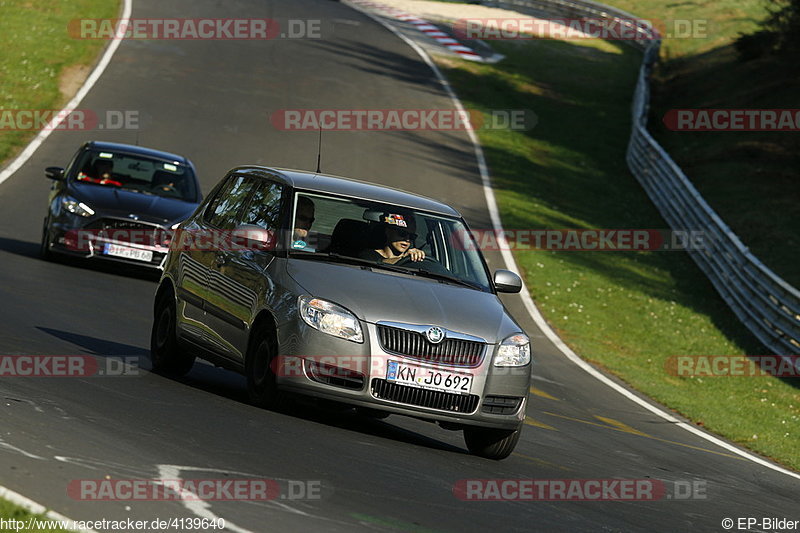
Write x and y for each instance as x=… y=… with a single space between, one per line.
x=10 y=511
x=626 y=311
x=41 y=66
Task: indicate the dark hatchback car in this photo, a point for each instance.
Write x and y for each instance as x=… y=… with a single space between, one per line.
x=118 y=202
x=279 y=276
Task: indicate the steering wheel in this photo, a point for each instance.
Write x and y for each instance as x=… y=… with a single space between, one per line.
x=429 y=264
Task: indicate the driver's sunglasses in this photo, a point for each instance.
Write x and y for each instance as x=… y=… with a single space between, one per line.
x=405 y=235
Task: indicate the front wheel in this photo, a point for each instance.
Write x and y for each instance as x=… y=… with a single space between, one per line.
x=491 y=443
x=261 y=384
x=44 y=249
x=166 y=354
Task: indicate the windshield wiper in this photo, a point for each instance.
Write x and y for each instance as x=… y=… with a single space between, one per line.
x=137 y=190
x=444 y=277
x=338 y=258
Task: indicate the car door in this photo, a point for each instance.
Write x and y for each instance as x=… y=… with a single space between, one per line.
x=239 y=276
x=202 y=243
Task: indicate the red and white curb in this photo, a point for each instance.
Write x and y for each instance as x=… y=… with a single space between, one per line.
x=425 y=27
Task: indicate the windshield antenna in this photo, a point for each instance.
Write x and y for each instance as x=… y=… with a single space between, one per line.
x=319 y=150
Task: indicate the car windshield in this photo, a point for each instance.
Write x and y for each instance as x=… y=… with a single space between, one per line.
x=356 y=231
x=137 y=173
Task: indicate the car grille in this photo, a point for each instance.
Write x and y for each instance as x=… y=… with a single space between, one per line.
x=445 y=401
x=501 y=405
x=131 y=231
x=455 y=352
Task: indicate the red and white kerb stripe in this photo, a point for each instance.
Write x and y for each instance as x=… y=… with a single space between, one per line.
x=424 y=26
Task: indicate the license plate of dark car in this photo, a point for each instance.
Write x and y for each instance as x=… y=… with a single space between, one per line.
x=428 y=378
x=129 y=253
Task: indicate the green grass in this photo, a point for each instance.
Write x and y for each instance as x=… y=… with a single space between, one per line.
x=36 y=51
x=9 y=510
x=626 y=311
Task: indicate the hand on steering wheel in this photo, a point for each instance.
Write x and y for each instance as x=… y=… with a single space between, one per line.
x=414 y=254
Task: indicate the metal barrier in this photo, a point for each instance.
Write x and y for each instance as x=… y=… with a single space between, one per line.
x=767 y=305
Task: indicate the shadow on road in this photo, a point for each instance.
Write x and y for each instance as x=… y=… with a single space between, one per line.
x=31 y=250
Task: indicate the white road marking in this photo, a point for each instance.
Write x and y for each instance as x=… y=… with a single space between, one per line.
x=193 y=504
x=6 y=446
x=36 y=508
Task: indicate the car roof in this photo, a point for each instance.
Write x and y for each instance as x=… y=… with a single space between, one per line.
x=326 y=183
x=137 y=150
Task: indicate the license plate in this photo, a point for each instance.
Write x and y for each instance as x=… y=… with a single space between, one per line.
x=428 y=378
x=128 y=253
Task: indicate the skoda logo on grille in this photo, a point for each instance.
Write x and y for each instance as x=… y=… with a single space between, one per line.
x=435 y=334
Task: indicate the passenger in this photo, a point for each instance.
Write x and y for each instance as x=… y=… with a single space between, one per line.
x=303 y=220
x=399 y=231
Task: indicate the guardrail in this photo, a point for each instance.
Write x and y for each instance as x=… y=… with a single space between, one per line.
x=767 y=305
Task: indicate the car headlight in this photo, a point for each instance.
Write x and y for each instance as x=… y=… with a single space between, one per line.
x=330 y=318
x=76 y=207
x=514 y=351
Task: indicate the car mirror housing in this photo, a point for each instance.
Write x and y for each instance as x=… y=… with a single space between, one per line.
x=54 y=173
x=507 y=281
x=252 y=237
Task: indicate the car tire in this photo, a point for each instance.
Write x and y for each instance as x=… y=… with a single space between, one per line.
x=491 y=443
x=167 y=356
x=261 y=383
x=44 y=249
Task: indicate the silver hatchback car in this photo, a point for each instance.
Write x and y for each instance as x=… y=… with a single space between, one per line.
x=348 y=291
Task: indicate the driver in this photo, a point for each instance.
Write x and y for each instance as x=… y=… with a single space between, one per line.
x=399 y=231
x=101 y=171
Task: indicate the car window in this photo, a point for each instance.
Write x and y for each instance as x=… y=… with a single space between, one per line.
x=264 y=207
x=223 y=210
x=353 y=226
x=137 y=173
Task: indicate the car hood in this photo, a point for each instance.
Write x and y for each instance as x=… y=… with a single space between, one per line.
x=112 y=201
x=384 y=296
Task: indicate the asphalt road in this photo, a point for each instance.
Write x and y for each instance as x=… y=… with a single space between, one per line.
x=211 y=101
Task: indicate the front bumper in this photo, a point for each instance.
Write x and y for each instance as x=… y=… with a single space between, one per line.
x=67 y=240
x=315 y=364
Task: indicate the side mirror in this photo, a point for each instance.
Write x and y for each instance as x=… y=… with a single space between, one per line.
x=251 y=237
x=507 y=281
x=54 y=173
